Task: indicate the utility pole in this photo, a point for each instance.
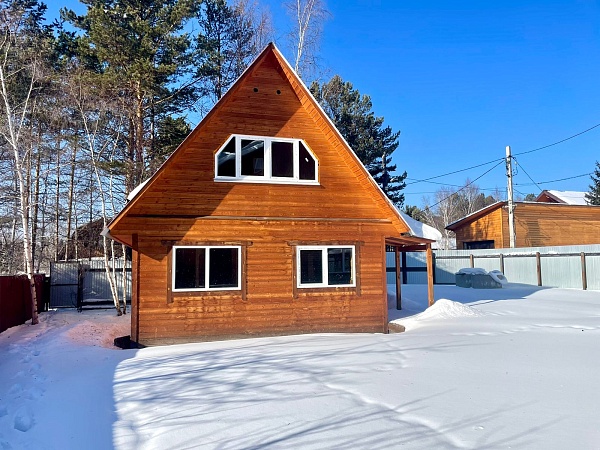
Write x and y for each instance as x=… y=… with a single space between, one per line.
x=509 y=192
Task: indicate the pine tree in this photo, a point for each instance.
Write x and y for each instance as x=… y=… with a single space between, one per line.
x=366 y=134
x=593 y=196
x=141 y=49
x=224 y=47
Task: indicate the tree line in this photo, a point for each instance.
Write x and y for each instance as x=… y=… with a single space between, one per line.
x=92 y=104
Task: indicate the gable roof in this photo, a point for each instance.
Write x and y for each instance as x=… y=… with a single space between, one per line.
x=567 y=197
x=474 y=215
x=310 y=104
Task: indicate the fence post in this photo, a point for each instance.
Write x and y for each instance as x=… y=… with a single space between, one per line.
x=472 y=260
x=502 y=262
x=538 y=261
x=583 y=271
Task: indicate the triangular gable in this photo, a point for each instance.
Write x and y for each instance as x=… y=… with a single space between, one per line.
x=312 y=107
x=474 y=215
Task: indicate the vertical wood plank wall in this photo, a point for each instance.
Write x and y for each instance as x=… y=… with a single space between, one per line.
x=270 y=306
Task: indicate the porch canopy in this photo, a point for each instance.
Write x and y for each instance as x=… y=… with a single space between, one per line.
x=406 y=244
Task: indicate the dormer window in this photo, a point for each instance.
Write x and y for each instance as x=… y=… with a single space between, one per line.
x=266 y=160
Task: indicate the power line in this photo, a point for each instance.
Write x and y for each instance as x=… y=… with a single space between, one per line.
x=549 y=205
x=502 y=159
x=558 y=142
x=456 y=171
x=554 y=181
x=466 y=185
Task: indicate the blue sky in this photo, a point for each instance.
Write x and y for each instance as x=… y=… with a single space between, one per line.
x=464 y=79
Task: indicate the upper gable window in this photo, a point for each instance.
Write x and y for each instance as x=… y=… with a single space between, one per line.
x=265 y=159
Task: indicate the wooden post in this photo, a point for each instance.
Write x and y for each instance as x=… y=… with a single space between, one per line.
x=583 y=271
x=398 y=279
x=538 y=261
x=430 y=296
x=135 y=288
x=472 y=260
x=502 y=262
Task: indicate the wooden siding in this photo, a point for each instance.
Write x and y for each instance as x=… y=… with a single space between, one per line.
x=270 y=307
x=536 y=225
x=187 y=186
x=544 y=224
x=182 y=203
x=486 y=228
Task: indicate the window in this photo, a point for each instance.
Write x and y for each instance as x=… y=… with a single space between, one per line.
x=206 y=268
x=326 y=266
x=475 y=245
x=263 y=159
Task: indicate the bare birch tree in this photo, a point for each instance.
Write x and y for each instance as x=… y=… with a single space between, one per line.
x=309 y=17
x=22 y=73
x=102 y=118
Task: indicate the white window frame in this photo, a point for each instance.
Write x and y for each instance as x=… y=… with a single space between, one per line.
x=267 y=177
x=324 y=266
x=207 y=268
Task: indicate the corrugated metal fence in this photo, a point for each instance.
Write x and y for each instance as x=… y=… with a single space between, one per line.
x=576 y=266
x=77 y=284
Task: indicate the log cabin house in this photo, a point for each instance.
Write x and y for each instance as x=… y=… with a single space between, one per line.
x=262 y=222
x=537 y=224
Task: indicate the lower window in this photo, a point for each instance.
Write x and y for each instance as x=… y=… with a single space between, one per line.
x=206 y=268
x=326 y=266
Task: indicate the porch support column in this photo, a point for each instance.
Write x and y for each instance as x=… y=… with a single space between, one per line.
x=430 y=297
x=398 y=279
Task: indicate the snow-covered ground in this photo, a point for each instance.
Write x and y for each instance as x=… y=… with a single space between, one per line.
x=506 y=368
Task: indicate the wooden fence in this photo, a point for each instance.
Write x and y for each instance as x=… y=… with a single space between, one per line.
x=15 y=299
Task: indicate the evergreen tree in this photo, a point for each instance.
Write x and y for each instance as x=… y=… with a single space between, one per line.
x=141 y=49
x=415 y=212
x=593 y=196
x=224 y=46
x=366 y=134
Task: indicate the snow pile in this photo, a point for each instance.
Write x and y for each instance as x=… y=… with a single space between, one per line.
x=447 y=309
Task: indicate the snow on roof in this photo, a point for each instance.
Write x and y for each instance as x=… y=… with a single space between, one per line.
x=419 y=229
x=136 y=189
x=569 y=197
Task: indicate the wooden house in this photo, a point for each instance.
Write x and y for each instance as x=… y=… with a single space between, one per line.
x=262 y=222
x=566 y=197
x=537 y=224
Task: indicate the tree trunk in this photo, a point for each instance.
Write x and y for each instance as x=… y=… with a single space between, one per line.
x=70 y=201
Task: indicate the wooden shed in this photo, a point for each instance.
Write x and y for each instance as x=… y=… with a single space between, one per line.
x=262 y=222
x=537 y=224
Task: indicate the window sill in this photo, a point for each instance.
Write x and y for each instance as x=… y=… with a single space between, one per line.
x=267 y=181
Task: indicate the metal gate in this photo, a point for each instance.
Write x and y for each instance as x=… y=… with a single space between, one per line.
x=79 y=284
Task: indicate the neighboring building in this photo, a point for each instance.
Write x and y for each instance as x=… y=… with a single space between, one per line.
x=262 y=222
x=537 y=224
x=565 y=197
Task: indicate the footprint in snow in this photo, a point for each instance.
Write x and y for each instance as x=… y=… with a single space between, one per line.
x=23 y=419
x=15 y=390
x=3 y=412
x=34 y=393
x=4 y=444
